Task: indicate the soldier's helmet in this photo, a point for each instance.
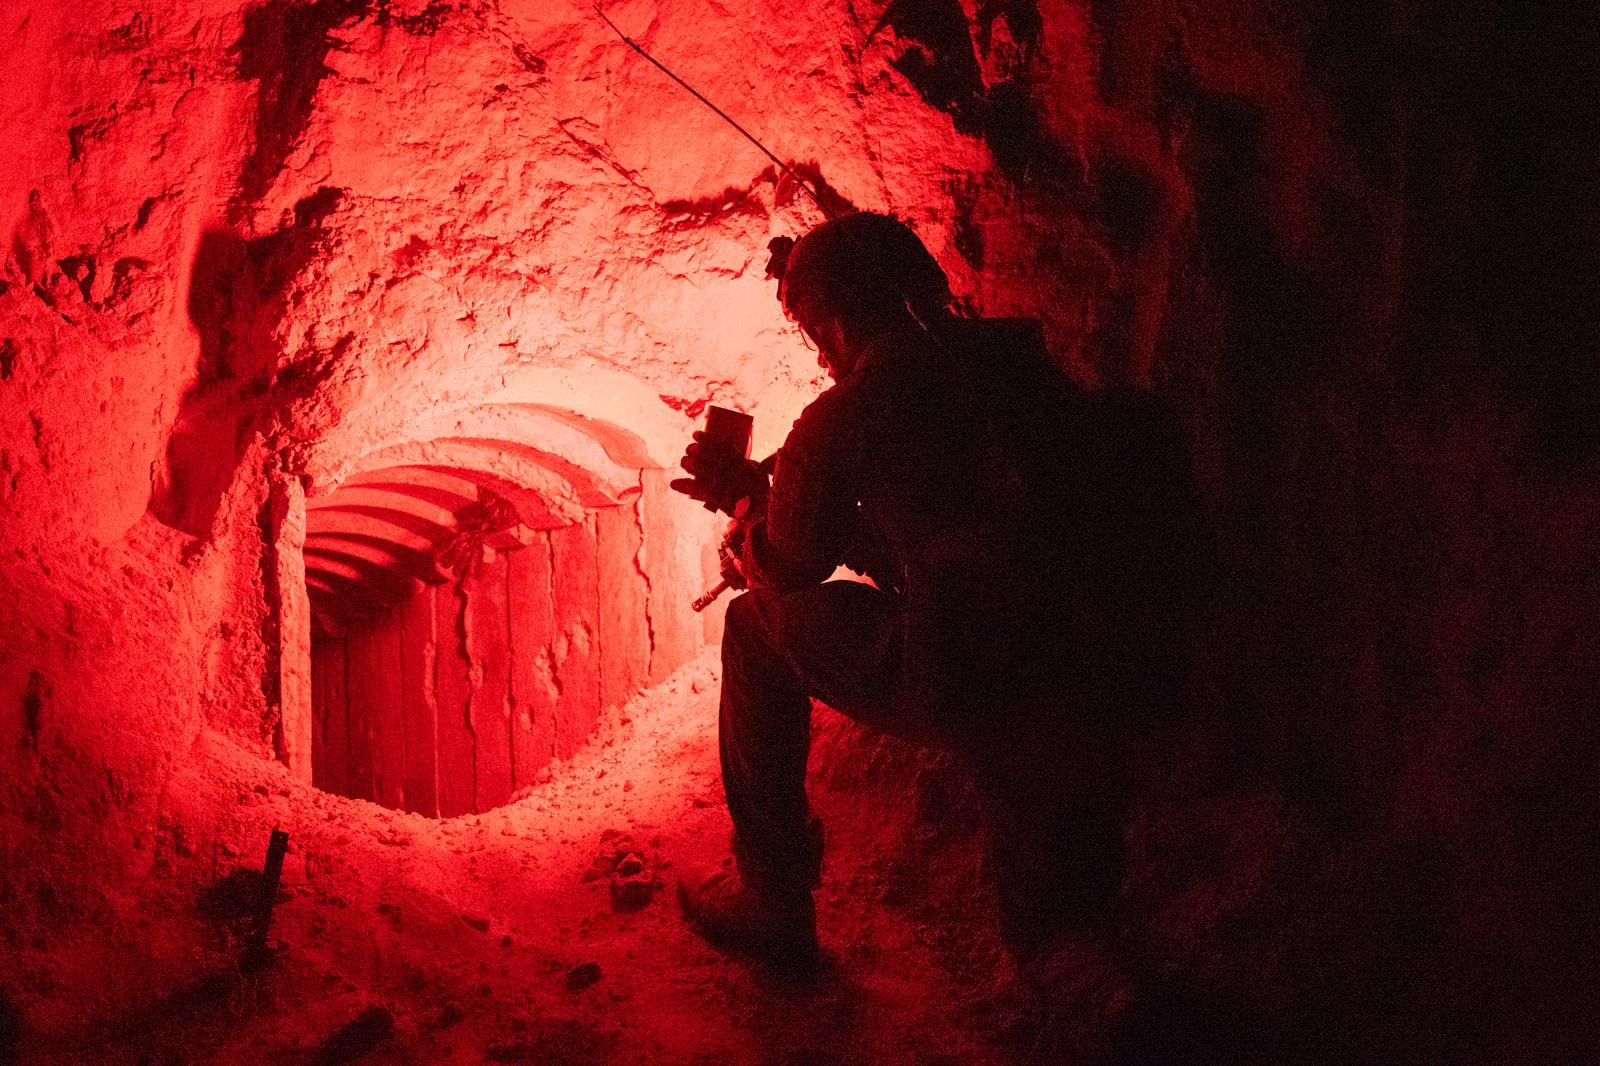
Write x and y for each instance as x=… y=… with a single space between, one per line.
x=861 y=267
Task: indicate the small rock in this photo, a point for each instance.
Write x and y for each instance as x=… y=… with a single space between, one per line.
x=477 y=922
x=630 y=894
x=370 y=1030
x=584 y=975
x=630 y=865
x=449 y=1015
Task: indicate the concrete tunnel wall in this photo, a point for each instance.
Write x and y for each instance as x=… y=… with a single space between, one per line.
x=460 y=694
x=552 y=565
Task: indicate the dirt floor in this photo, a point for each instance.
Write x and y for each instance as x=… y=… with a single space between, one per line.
x=548 y=930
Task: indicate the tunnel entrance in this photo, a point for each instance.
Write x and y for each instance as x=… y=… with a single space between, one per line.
x=449 y=699
x=475 y=614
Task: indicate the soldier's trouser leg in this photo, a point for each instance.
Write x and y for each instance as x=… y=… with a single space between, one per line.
x=1058 y=856
x=837 y=642
x=1055 y=776
x=1055 y=795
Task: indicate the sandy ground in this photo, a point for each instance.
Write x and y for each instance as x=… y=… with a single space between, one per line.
x=480 y=939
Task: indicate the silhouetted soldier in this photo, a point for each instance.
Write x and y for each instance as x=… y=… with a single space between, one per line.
x=1023 y=612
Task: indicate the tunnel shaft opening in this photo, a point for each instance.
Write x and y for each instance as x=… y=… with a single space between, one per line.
x=475 y=611
x=450 y=700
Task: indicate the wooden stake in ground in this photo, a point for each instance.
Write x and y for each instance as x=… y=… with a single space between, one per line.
x=256 y=954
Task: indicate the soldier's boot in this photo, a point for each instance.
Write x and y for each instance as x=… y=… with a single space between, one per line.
x=772 y=919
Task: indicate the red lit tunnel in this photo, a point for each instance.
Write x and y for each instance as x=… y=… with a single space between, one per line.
x=480 y=592
x=346 y=350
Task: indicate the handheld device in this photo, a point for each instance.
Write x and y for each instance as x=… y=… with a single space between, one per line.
x=729 y=430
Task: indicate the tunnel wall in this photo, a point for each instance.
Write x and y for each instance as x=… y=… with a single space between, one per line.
x=452 y=701
x=1352 y=243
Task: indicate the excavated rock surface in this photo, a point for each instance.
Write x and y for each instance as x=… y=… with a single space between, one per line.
x=490 y=938
x=1346 y=241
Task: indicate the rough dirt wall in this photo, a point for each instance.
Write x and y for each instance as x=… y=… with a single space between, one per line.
x=1345 y=239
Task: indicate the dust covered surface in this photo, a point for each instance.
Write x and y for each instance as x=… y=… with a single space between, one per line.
x=490 y=938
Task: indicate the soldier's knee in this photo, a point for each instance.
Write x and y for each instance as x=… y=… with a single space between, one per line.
x=740 y=609
x=752 y=609
x=751 y=622
x=744 y=621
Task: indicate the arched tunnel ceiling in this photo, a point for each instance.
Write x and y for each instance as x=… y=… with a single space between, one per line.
x=487 y=471
x=582 y=451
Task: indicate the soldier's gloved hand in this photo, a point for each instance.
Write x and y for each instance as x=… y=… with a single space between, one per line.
x=718 y=478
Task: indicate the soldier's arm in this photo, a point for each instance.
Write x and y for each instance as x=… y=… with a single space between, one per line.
x=809 y=515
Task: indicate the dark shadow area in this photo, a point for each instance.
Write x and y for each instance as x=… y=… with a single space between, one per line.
x=833 y=201
x=1022 y=18
x=238 y=296
x=10 y=1031
x=1023 y=150
x=231 y=902
x=938 y=59
x=357 y=1038
x=284 y=47
x=1501 y=188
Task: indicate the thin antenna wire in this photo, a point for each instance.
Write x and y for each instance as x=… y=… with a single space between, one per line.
x=931 y=333
x=785 y=167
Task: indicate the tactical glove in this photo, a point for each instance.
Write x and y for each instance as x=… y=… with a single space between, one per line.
x=718 y=478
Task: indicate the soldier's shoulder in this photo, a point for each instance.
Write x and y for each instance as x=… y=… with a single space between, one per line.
x=1018 y=335
x=1010 y=354
x=835 y=404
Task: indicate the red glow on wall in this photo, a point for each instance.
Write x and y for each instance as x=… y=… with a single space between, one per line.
x=448 y=673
